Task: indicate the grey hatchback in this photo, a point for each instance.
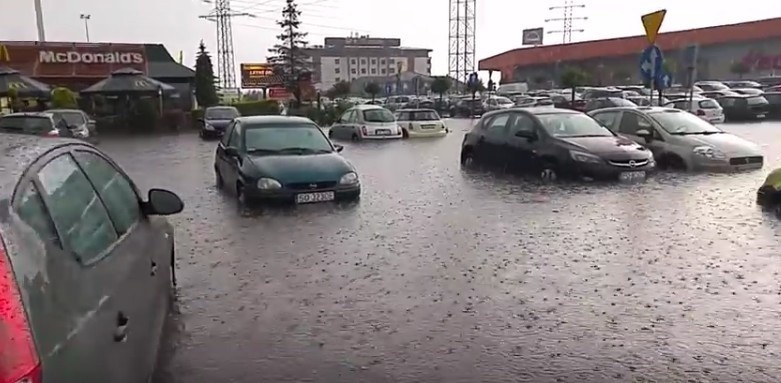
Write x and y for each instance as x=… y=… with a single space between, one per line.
x=86 y=270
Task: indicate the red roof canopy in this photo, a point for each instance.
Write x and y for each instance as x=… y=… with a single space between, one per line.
x=732 y=33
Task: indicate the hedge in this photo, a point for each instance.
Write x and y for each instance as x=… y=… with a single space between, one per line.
x=324 y=117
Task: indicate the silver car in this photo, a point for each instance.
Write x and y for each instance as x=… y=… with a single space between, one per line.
x=681 y=140
x=80 y=124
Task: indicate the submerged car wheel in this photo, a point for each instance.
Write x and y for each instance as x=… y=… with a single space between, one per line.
x=355 y=137
x=218 y=179
x=467 y=159
x=241 y=197
x=548 y=172
x=404 y=133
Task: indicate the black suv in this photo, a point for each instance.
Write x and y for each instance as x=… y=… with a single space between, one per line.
x=467 y=107
x=554 y=143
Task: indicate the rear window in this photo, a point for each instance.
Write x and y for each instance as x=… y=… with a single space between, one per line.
x=757 y=100
x=72 y=118
x=773 y=98
x=378 y=115
x=709 y=104
x=221 y=113
x=26 y=124
x=424 y=115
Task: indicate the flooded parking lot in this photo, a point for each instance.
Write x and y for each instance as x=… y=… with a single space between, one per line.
x=442 y=275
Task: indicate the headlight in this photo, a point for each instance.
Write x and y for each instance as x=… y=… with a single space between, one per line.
x=268 y=183
x=584 y=157
x=208 y=126
x=709 y=153
x=350 y=178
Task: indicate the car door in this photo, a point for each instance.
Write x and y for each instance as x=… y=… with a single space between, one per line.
x=83 y=318
x=519 y=152
x=608 y=119
x=220 y=158
x=230 y=174
x=147 y=243
x=631 y=122
x=404 y=119
x=492 y=138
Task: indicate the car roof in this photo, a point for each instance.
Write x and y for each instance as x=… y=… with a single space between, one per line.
x=62 y=110
x=370 y=106
x=535 y=110
x=19 y=151
x=28 y=114
x=643 y=109
x=415 y=110
x=222 y=107
x=274 y=120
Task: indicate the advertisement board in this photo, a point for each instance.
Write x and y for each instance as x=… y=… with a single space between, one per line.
x=71 y=59
x=532 y=36
x=257 y=75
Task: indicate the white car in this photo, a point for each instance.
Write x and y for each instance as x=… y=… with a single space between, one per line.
x=705 y=108
x=366 y=122
x=421 y=123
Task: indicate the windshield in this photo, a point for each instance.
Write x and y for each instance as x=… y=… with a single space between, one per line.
x=679 y=122
x=296 y=139
x=709 y=104
x=622 y=102
x=503 y=101
x=424 y=115
x=26 y=124
x=378 y=115
x=221 y=113
x=71 y=118
x=572 y=125
x=757 y=100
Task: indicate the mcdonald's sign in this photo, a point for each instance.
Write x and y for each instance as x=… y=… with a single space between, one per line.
x=141 y=84
x=4 y=56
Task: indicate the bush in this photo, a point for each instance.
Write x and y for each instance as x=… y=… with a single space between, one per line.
x=258 y=108
x=324 y=117
x=64 y=98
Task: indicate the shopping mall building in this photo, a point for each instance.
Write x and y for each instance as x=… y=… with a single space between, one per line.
x=79 y=65
x=757 y=44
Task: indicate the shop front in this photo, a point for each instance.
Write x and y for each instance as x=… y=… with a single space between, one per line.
x=79 y=65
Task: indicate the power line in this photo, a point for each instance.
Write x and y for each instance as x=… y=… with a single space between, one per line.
x=568 y=9
x=461 y=40
x=226 y=68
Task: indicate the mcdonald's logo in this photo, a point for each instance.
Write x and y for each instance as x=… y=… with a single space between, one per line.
x=4 y=56
x=141 y=84
x=17 y=85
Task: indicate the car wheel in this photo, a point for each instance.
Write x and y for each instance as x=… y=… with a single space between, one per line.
x=404 y=133
x=777 y=210
x=241 y=197
x=218 y=179
x=202 y=134
x=549 y=171
x=355 y=137
x=467 y=158
x=672 y=162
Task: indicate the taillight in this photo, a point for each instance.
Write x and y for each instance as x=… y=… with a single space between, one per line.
x=700 y=112
x=364 y=131
x=53 y=133
x=19 y=362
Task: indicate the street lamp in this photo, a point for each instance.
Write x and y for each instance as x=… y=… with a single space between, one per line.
x=39 y=20
x=86 y=17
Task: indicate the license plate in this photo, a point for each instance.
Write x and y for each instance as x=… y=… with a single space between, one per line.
x=428 y=126
x=315 y=197
x=631 y=176
x=382 y=132
x=760 y=116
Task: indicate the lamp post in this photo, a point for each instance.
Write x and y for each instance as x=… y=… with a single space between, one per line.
x=86 y=17
x=39 y=20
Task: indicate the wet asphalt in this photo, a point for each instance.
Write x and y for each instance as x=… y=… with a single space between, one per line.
x=445 y=275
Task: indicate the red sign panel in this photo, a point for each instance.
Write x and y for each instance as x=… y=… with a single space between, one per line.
x=762 y=61
x=278 y=93
x=71 y=59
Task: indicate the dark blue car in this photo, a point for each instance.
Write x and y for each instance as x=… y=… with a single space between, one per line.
x=216 y=119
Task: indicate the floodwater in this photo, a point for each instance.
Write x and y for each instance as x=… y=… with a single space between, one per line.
x=445 y=275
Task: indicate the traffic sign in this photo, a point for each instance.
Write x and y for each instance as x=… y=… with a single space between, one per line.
x=651 y=63
x=652 y=22
x=663 y=80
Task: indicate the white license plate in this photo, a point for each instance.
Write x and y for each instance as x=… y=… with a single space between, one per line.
x=382 y=132
x=428 y=126
x=631 y=176
x=315 y=197
x=760 y=116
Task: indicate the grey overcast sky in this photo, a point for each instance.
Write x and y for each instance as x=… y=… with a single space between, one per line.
x=419 y=23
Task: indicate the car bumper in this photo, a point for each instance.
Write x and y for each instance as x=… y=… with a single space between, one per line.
x=341 y=193
x=385 y=137
x=605 y=171
x=427 y=133
x=725 y=166
x=716 y=120
x=213 y=132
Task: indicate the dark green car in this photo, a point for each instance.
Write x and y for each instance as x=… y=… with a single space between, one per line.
x=283 y=159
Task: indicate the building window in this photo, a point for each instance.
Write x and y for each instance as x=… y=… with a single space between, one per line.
x=374 y=71
x=336 y=70
x=352 y=61
x=337 y=61
x=382 y=71
x=363 y=70
x=363 y=61
x=338 y=79
x=382 y=61
x=374 y=60
x=353 y=71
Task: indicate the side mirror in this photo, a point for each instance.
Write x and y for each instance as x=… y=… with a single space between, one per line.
x=338 y=148
x=231 y=151
x=163 y=202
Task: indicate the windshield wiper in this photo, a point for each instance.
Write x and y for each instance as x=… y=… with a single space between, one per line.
x=704 y=132
x=258 y=151
x=302 y=150
x=588 y=135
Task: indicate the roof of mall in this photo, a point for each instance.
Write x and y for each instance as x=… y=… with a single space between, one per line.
x=731 y=33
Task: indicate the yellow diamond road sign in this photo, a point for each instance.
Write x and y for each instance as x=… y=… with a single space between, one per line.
x=652 y=22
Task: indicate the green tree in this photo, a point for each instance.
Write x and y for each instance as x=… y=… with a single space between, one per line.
x=440 y=85
x=205 y=90
x=372 y=89
x=573 y=78
x=64 y=98
x=288 y=56
x=740 y=68
x=340 y=89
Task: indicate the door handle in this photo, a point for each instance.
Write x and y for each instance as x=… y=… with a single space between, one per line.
x=153 y=270
x=120 y=333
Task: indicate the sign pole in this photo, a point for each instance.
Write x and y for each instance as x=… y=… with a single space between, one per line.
x=652 y=22
x=653 y=79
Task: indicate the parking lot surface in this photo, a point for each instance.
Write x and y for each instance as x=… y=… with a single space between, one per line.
x=444 y=275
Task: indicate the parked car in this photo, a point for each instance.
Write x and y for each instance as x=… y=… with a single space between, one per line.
x=75 y=118
x=606 y=102
x=420 y=123
x=748 y=91
x=467 y=107
x=41 y=124
x=719 y=93
x=742 y=84
x=610 y=92
x=283 y=159
x=396 y=102
x=646 y=101
x=742 y=107
x=216 y=119
x=774 y=104
x=680 y=140
x=86 y=265
x=366 y=122
x=565 y=101
x=553 y=143
x=496 y=103
x=711 y=86
x=704 y=108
